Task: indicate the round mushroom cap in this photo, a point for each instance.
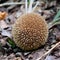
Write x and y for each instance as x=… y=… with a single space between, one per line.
x=30 y=31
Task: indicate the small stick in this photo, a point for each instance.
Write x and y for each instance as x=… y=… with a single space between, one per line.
x=26 y=5
x=12 y=3
x=35 y=6
x=48 y=51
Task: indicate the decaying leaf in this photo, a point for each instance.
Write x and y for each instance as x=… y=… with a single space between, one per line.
x=3 y=42
x=6 y=33
x=3 y=24
x=50 y=58
x=3 y=15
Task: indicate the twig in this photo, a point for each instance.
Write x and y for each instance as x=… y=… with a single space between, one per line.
x=13 y=3
x=48 y=51
x=35 y=5
x=26 y=5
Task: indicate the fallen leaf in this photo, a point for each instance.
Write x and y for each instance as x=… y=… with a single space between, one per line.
x=3 y=24
x=50 y=58
x=3 y=15
x=6 y=33
x=11 y=19
x=3 y=42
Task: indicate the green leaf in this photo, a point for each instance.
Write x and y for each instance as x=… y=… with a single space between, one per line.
x=55 y=21
x=57 y=15
x=56 y=18
x=11 y=42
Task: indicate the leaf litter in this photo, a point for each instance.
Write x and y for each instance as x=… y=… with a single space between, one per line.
x=8 y=48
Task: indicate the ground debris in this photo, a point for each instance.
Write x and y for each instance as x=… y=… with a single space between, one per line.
x=8 y=16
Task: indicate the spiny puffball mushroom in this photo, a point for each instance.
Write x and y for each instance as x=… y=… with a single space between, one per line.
x=30 y=31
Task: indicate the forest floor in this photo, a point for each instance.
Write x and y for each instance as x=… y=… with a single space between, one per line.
x=9 y=51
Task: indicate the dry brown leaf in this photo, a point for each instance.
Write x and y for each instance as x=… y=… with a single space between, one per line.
x=3 y=15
